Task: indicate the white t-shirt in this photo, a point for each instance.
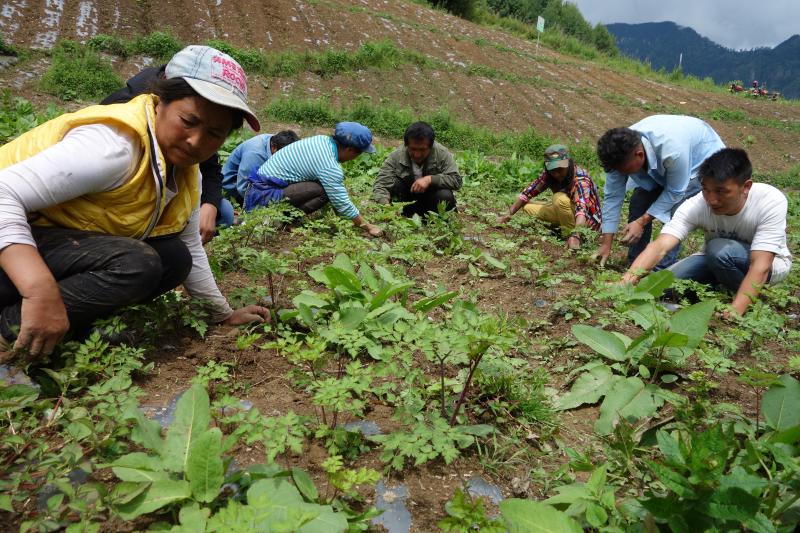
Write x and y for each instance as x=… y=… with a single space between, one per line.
x=91 y=159
x=761 y=223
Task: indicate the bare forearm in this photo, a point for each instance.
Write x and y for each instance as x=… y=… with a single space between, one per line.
x=27 y=270
x=516 y=206
x=750 y=288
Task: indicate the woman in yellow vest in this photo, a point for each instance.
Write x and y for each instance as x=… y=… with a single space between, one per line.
x=99 y=208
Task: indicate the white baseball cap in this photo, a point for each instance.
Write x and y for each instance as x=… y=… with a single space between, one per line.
x=215 y=76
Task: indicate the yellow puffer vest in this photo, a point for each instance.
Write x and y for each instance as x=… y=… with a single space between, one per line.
x=137 y=208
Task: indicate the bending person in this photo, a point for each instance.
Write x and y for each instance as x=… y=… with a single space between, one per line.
x=745 y=231
x=422 y=171
x=574 y=203
x=214 y=209
x=660 y=155
x=249 y=156
x=112 y=196
x=308 y=173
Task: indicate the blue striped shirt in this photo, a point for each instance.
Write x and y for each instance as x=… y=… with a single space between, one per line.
x=313 y=159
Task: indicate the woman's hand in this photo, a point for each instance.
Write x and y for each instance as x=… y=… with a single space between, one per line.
x=247 y=315
x=44 y=321
x=503 y=219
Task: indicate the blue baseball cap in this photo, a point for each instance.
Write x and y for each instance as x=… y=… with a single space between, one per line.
x=354 y=135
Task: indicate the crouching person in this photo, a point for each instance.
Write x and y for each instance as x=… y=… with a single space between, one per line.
x=308 y=173
x=100 y=208
x=422 y=172
x=574 y=203
x=745 y=231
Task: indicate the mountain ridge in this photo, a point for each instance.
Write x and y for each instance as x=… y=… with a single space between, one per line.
x=662 y=43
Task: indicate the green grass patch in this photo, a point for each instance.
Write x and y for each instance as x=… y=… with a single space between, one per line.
x=391 y=120
x=78 y=72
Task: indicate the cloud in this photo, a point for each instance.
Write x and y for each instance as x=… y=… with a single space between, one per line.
x=738 y=24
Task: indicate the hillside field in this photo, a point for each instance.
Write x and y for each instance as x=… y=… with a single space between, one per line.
x=452 y=375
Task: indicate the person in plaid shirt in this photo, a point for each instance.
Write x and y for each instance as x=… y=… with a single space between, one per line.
x=575 y=202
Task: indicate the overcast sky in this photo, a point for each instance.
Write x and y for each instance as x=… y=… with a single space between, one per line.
x=736 y=24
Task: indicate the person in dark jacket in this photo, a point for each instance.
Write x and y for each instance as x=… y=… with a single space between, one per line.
x=422 y=171
x=214 y=209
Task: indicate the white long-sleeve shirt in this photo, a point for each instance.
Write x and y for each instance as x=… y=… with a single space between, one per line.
x=91 y=159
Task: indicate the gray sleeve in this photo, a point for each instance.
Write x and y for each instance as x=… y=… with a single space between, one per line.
x=200 y=282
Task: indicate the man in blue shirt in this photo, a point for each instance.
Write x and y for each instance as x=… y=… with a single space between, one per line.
x=249 y=156
x=660 y=155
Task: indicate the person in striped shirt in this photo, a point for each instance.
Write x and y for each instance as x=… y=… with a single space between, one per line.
x=574 y=203
x=308 y=173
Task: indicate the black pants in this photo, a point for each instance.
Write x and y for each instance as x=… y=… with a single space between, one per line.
x=307 y=196
x=99 y=274
x=423 y=202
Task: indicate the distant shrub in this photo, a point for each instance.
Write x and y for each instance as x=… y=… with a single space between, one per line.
x=158 y=44
x=311 y=112
x=467 y=9
x=108 y=44
x=79 y=73
x=5 y=48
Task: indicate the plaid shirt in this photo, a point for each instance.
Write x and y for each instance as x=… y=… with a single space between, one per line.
x=581 y=190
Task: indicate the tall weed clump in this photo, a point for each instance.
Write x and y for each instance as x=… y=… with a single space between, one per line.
x=79 y=73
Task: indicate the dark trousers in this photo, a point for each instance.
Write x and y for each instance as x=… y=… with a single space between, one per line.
x=99 y=274
x=425 y=202
x=307 y=196
x=641 y=200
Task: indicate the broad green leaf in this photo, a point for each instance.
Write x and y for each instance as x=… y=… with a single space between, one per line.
x=527 y=516
x=276 y=505
x=305 y=484
x=656 y=283
x=741 y=478
x=569 y=494
x=672 y=480
x=139 y=467
x=193 y=519
x=588 y=388
x=781 y=404
x=160 y=494
x=733 y=504
x=367 y=275
x=387 y=292
x=352 y=316
x=693 y=322
x=670 y=339
x=15 y=397
x=127 y=491
x=760 y=524
x=344 y=262
x=670 y=447
x=309 y=298
x=5 y=503
x=669 y=378
x=603 y=342
x=204 y=468
x=597 y=480
x=146 y=432
x=629 y=398
x=643 y=315
x=595 y=515
x=493 y=261
x=338 y=278
x=192 y=415
x=306 y=315
x=426 y=304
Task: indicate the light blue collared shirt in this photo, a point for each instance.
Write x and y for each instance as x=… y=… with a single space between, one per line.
x=246 y=157
x=675 y=145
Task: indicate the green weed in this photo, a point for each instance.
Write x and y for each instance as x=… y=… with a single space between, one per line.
x=79 y=73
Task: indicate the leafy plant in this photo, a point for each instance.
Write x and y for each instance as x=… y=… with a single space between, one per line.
x=465 y=514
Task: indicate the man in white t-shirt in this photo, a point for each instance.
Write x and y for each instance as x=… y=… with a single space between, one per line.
x=745 y=231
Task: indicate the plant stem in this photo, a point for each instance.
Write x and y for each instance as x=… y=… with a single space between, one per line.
x=472 y=368
x=441 y=375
